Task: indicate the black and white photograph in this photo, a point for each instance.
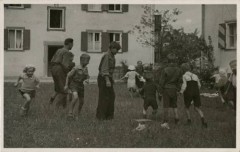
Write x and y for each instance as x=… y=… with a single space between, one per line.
x=119 y=75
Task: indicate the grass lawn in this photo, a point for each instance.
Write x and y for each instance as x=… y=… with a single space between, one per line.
x=45 y=128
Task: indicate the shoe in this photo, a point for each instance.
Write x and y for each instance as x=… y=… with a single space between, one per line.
x=70 y=116
x=51 y=100
x=204 y=125
x=23 y=111
x=165 y=125
x=176 y=121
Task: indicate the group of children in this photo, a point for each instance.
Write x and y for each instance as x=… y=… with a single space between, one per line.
x=167 y=90
x=74 y=86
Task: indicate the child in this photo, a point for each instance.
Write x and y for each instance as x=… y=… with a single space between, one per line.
x=190 y=90
x=28 y=88
x=149 y=94
x=74 y=82
x=139 y=68
x=131 y=82
x=220 y=82
x=230 y=92
x=169 y=84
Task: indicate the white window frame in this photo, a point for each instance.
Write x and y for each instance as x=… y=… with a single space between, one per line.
x=93 y=10
x=22 y=6
x=120 y=42
x=63 y=18
x=100 y=41
x=118 y=11
x=228 y=36
x=15 y=33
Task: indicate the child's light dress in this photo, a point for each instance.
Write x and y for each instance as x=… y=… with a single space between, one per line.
x=131 y=82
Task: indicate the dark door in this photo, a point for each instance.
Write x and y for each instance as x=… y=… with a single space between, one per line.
x=52 y=49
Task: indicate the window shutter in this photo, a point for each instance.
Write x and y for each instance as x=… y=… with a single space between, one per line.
x=84 y=41
x=5 y=39
x=26 y=39
x=27 y=5
x=105 y=41
x=222 y=36
x=6 y=5
x=125 y=7
x=124 y=42
x=104 y=7
x=84 y=7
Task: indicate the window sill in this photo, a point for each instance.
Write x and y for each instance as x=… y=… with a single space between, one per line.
x=14 y=50
x=115 y=11
x=97 y=52
x=55 y=29
x=229 y=49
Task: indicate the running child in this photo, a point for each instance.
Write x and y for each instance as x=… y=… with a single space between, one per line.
x=148 y=93
x=75 y=83
x=190 y=90
x=28 y=87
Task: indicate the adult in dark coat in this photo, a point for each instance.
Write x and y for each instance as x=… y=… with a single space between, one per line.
x=105 y=108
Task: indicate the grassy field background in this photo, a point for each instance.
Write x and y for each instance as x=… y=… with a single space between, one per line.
x=44 y=128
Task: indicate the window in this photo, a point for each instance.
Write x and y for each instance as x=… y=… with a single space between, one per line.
x=56 y=18
x=15 y=6
x=94 y=41
x=116 y=36
x=231 y=35
x=94 y=7
x=115 y=8
x=15 y=39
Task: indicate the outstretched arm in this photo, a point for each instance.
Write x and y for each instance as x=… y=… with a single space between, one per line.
x=19 y=78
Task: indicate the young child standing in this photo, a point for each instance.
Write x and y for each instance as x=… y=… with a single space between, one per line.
x=131 y=79
x=74 y=82
x=149 y=94
x=190 y=90
x=169 y=84
x=28 y=88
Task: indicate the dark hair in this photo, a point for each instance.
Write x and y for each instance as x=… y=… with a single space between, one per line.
x=68 y=40
x=84 y=56
x=115 y=45
x=186 y=67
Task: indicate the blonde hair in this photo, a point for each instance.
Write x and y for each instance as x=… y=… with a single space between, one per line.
x=29 y=66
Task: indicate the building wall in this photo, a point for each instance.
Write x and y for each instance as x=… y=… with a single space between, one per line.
x=215 y=15
x=35 y=19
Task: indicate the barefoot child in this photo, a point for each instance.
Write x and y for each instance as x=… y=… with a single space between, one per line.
x=190 y=90
x=149 y=94
x=74 y=83
x=28 y=88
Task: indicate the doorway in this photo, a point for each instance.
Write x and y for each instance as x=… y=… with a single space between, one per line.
x=50 y=49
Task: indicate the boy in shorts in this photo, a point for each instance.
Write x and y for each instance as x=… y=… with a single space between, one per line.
x=74 y=83
x=149 y=94
x=190 y=90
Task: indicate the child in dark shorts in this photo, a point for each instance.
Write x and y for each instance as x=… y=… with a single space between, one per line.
x=28 y=88
x=74 y=82
x=149 y=94
x=190 y=90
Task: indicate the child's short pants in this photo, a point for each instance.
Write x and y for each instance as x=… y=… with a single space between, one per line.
x=31 y=93
x=150 y=102
x=169 y=98
x=77 y=87
x=188 y=98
